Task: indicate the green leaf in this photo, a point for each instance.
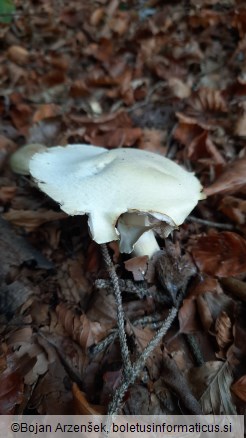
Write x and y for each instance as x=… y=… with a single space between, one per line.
x=7 y=8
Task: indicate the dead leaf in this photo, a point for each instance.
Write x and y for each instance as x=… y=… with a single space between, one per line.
x=240 y=128
x=211 y=385
x=97 y=16
x=53 y=394
x=232 y=180
x=223 y=330
x=46 y=111
x=117 y=138
x=179 y=88
x=12 y=382
x=138 y=267
x=221 y=254
x=140 y=399
x=81 y=329
x=18 y=54
x=153 y=140
x=188 y=322
x=7 y=194
x=30 y=220
x=234 y=208
x=82 y=406
x=207 y=99
x=204 y=312
x=239 y=388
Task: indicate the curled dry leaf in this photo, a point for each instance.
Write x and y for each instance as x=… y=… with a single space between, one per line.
x=223 y=330
x=210 y=305
x=220 y=254
x=82 y=330
x=203 y=149
x=199 y=145
x=232 y=180
x=239 y=388
x=208 y=99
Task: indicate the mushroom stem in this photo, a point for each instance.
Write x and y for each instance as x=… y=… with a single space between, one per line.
x=146 y=245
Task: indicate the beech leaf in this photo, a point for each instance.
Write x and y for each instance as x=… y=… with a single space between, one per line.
x=211 y=386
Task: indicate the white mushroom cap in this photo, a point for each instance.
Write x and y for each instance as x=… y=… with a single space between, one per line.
x=104 y=184
x=20 y=159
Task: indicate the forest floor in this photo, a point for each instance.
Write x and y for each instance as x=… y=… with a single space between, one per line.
x=163 y=76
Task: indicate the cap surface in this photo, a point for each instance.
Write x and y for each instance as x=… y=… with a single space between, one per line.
x=104 y=184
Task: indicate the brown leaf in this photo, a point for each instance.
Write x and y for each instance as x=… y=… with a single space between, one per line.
x=204 y=312
x=82 y=406
x=188 y=322
x=7 y=194
x=97 y=16
x=211 y=385
x=203 y=284
x=202 y=148
x=153 y=140
x=138 y=267
x=221 y=254
x=52 y=394
x=7 y=147
x=239 y=388
x=117 y=138
x=12 y=382
x=185 y=133
x=81 y=328
x=179 y=88
x=18 y=54
x=207 y=99
x=240 y=128
x=46 y=111
x=30 y=220
x=223 y=330
x=234 y=208
x=232 y=180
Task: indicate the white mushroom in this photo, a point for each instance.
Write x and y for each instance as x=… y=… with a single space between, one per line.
x=19 y=160
x=124 y=192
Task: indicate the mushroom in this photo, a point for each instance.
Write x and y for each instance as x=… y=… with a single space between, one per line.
x=19 y=160
x=126 y=193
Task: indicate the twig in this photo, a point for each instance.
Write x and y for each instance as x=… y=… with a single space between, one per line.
x=196 y=351
x=152 y=321
x=175 y=380
x=125 y=285
x=210 y=223
x=127 y=366
x=140 y=363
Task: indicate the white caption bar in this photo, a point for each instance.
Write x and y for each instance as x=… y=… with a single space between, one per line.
x=144 y=426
